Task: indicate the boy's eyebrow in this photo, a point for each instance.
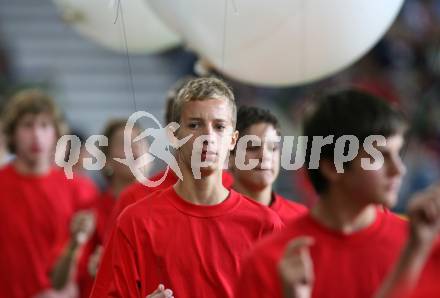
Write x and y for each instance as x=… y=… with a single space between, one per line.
x=201 y=119
x=195 y=119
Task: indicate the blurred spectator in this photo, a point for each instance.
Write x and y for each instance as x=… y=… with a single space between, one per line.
x=86 y=185
x=4 y=154
x=37 y=202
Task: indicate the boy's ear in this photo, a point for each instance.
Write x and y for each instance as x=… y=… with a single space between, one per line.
x=328 y=170
x=234 y=140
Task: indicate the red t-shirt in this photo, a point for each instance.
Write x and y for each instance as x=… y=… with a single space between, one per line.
x=35 y=214
x=286 y=209
x=87 y=191
x=137 y=191
x=194 y=250
x=345 y=266
x=103 y=208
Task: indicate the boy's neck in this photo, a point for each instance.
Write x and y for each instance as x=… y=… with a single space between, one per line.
x=24 y=167
x=3 y=156
x=262 y=196
x=208 y=190
x=340 y=212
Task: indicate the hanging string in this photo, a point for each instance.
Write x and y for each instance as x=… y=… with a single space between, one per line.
x=120 y=11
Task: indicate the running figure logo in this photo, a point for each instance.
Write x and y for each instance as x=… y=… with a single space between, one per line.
x=160 y=147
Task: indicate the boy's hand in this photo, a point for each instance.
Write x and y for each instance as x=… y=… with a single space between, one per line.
x=424 y=215
x=296 y=269
x=82 y=226
x=161 y=292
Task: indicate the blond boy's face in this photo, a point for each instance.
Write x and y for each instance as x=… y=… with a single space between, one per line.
x=35 y=137
x=211 y=118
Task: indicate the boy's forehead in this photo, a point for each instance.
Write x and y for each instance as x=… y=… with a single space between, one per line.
x=31 y=116
x=215 y=108
x=262 y=128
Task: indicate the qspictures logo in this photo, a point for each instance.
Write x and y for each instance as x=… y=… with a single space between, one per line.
x=164 y=142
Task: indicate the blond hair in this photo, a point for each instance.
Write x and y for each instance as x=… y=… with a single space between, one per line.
x=203 y=89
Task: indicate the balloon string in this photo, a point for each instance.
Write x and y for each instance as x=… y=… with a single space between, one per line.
x=117 y=11
x=224 y=33
x=303 y=62
x=127 y=54
x=225 y=18
x=234 y=6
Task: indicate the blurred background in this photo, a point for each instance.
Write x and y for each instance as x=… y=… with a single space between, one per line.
x=93 y=83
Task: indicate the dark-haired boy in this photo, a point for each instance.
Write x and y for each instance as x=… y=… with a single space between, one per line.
x=256 y=182
x=347 y=243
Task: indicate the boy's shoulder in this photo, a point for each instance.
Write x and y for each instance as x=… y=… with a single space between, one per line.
x=143 y=206
x=6 y=172
x=394 y=226
x=393 y=220
x=253 y=209
x=273 y=245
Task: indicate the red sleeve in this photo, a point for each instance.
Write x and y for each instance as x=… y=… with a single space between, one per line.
x=125 y=273
x=257 y=279
x=117 y=275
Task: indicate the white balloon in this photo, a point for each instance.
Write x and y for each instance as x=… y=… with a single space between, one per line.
x=116 y=24
x=279 y=42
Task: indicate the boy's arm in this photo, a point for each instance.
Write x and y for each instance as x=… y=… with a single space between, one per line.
x=82 y=226
x=296 y=269
x=424 y=215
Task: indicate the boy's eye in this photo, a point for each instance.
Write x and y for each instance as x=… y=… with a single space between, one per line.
x=193 y=125
x=26 y=124
x=45 y=124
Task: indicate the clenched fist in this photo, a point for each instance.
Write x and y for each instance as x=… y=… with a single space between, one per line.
x=296 y=268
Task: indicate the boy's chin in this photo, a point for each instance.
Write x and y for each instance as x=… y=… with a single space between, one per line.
x=209 y=170
x=35 y=157
x=259 y=183
x=389 y=201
